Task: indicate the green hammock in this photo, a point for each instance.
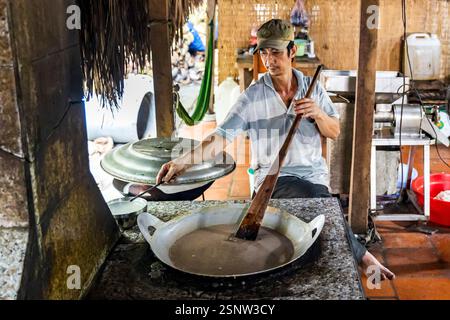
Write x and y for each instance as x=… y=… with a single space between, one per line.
x=204 y=97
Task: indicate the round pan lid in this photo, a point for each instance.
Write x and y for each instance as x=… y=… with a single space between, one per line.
x=140 y=162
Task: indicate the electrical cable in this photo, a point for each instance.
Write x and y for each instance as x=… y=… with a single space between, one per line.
x=431 y=125
x=404 y=20
x=403 y=86
x=416 y=92
x=411 y=88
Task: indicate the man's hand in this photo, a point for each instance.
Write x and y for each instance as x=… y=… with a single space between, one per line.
x=308 y=108
x=328 y=126
x=169 y=171
x=206 y=150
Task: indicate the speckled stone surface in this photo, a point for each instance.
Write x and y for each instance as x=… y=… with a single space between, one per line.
x=13 y=244
x=327 y=271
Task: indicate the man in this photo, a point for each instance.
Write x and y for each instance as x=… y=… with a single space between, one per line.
x=267 y=110
x=195 y=44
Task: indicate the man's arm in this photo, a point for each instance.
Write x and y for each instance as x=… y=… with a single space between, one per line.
x=329 y=127
x=208 y=149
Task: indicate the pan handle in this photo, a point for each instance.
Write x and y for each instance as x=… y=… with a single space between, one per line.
x=316 y=227
x=148 y=224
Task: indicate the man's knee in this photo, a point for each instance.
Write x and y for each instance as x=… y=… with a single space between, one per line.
x=293 y=187
x=289 y=192
x=321 y=191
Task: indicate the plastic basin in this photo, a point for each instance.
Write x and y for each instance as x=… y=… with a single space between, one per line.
x=439 y=210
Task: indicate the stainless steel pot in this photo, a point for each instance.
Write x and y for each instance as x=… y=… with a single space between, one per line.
x=161 y=236
x=126 y=212
x=185 y=192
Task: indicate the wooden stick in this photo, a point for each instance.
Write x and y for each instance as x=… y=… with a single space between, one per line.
x=148 y=190
x=162 y=68
x=250 y=224
x=363 y=122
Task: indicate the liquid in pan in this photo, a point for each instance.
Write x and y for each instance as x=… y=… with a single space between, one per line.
x=212 y=251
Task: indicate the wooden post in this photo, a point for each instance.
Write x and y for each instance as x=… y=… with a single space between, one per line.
x=363 y=121
x=256 y=61
x=162 y=67
x=210 y=12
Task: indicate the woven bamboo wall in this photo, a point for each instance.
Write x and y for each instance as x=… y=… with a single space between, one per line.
x=335 y=29
x=236 y=20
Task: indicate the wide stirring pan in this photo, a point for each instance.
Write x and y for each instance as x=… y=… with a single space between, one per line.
x=161 y=236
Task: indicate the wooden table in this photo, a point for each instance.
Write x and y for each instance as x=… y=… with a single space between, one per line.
x=245 y=65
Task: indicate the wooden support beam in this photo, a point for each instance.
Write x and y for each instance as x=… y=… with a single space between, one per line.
x=162 y=66
x=363 y=121
x=210 y=12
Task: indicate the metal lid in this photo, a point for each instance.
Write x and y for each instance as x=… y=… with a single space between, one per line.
x=140 y=162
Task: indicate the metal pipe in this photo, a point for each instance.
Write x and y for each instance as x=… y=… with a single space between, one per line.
x=383 y=117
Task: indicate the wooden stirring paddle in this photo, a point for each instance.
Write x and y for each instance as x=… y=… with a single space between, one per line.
x=251 y=221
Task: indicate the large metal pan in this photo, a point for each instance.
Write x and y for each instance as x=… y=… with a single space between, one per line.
x=161 y=236
x=184 y=192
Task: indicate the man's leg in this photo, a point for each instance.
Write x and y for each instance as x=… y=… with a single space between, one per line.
x=358 y=249
x=293 y=187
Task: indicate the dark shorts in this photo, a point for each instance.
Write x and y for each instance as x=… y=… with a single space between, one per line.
x=294 y=187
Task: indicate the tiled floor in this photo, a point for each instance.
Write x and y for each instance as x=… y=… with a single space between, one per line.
x=421 y=262
x=235 y=186
x=436 y=165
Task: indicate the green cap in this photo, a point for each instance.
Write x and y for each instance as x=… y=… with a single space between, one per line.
x=276 y=34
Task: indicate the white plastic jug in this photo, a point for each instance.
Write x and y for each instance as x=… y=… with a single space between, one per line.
x=235 y=93
x=134 y=120
x=425 y=56
x=225 y=99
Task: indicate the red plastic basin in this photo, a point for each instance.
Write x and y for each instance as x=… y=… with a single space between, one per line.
x=439 y=210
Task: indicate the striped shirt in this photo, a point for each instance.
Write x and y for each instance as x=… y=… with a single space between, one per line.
x=261 y=113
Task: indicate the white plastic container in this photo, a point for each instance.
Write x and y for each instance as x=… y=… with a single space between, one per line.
x=235 y=93
x=405 y=167
x=444 y=124
x=251 y=178
x=425 y=56
x=136 y=118
x=225 y=99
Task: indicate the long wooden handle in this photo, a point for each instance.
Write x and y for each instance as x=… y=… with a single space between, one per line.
x=148 y=190
x=251 y=222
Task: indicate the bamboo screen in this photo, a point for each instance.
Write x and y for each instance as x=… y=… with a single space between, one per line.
x=335 y=29
x=236 y=20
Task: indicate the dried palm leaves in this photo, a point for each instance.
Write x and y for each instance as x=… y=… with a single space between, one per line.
x=179 y=11
x=115 y=36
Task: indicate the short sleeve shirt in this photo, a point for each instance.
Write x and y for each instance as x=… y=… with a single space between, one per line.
x=261 y=112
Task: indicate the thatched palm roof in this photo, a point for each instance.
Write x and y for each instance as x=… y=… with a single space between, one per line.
x=115 y=34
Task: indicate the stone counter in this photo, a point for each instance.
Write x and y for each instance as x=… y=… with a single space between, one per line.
x=327 y=271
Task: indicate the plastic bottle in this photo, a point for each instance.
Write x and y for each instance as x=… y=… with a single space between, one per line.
x=424 y=55
x=224 y=100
